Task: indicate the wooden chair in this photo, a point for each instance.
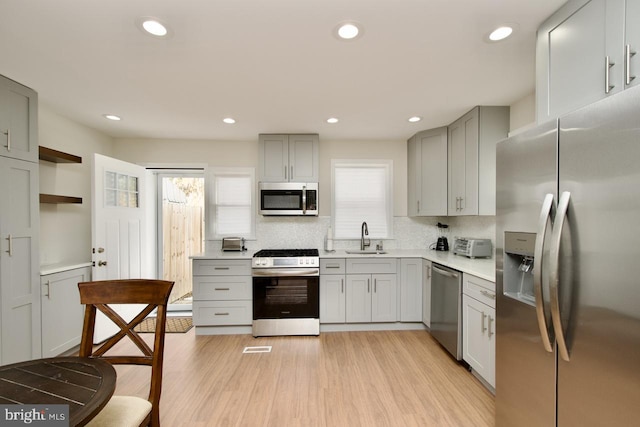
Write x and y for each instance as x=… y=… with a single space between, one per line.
x=124 y=411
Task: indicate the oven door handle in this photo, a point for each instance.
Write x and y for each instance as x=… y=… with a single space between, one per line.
x=281 y=272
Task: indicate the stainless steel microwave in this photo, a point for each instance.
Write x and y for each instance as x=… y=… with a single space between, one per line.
x=288 y=198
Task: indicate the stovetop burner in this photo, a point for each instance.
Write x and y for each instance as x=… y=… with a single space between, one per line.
x=286 y=253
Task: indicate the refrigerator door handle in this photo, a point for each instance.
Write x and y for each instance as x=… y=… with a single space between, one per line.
x=554 y=278
x=546 y=213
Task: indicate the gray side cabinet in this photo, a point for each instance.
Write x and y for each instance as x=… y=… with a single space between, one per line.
x=20 y=327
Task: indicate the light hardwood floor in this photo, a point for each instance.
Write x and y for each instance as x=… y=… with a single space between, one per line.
x=382 y=378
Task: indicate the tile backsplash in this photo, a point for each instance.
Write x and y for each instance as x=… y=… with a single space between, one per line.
x=408 y=232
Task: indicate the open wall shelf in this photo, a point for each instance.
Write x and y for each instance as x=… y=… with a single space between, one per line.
x=55 y=156
x=52 y=198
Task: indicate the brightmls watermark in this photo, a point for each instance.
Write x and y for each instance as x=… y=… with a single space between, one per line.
x=34 y=415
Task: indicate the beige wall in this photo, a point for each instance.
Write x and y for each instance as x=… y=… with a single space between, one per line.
x=65 y=229
x=180 y=152
x=245 y=154
x=523 y=113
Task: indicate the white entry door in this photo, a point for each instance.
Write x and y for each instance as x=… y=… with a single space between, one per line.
x=119 y=213
x=118 y=228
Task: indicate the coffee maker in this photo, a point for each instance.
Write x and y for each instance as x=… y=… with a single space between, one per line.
x=442 y=244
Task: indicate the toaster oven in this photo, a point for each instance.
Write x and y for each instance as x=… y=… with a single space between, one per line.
x=472 y=248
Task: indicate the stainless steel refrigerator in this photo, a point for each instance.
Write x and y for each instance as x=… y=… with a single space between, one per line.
x=568 y=270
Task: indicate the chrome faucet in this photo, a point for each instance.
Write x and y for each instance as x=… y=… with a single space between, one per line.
x=364 y=231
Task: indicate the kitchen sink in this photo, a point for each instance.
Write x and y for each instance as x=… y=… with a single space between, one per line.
x=366 y=252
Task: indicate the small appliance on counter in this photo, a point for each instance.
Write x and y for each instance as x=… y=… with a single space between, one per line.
x=233 y=244
x=472 y=248
x=443 y=243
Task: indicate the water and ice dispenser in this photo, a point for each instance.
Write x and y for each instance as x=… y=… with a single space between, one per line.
x=518 y=266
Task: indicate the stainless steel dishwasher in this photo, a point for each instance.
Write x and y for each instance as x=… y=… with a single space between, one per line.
x=446 y=315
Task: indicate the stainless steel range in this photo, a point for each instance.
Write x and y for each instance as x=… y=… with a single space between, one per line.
x=286 y=292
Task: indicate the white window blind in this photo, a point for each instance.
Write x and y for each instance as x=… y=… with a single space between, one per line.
x=230 y=202
x=362 y=192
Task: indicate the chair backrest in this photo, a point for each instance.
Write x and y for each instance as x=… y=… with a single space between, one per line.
x=155 y=294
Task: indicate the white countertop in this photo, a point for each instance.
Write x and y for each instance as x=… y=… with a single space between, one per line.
x=62 y=266
x=481 y=267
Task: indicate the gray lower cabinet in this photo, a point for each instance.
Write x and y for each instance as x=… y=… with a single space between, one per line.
x=62 y=312
x=586 y=52
x=332 y=291
x=371 y=290
x=479 y=326
x=222 y=292
x=426 y=293
x=411 y=290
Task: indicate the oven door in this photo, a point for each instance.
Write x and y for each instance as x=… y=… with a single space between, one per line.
x=286 y=297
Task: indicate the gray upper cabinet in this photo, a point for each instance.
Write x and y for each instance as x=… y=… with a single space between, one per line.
x=427 y=173
x=585 y=52
x=18 y=121
x=472 y=160
x=463 y=165
x=289 y=158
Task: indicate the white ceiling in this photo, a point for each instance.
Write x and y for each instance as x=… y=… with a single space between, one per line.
x=273 y=65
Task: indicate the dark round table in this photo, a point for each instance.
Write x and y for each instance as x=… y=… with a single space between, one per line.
x=86 y=385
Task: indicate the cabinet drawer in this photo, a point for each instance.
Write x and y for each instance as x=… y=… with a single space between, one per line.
x=332 y=266
x=372 y=266
x=221 y=267
x=480 y=289
x=222 y=313
x=222 y=288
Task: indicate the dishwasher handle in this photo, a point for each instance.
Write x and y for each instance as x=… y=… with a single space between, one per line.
x=444 y=272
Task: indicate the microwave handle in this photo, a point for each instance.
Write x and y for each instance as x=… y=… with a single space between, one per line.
x=304 y=199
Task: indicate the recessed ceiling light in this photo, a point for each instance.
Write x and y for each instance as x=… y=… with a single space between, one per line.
x=348 y=31
x=153 y=26
x=112 y=117
x=332 y=120
x=414 y=119
x=229 y=120
x=500 y=33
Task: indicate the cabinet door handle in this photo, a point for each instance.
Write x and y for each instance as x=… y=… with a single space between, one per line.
x=102 y=263
x=8 y=133
x=490 y=333
x=428 y=272
x=285 y=172
x=607 y=66
x=332 y=266
x=221 y=289
x=222 y=314
x=10 y=251
x=482 y=327
x=221 y=268
x=375 y=285
x=342 y=285
x=418 y=206
x=48 y=285
x=368 y=285
x=628 y=55
x=488 y=294
x=291 y=174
